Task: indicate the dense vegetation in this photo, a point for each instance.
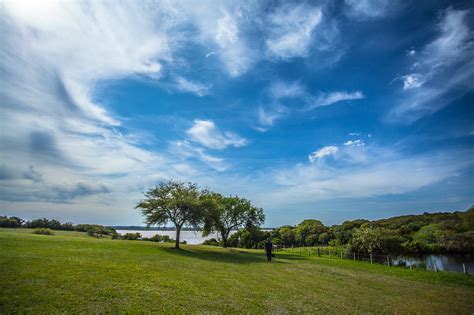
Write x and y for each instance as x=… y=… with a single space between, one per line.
x=52 y=224
x=72 y=272
x=425 y=233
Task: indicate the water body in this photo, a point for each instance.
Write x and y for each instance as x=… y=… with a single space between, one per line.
x=438 y=262
x=191 y=237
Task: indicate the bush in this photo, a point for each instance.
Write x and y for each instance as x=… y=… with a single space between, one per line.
x=132 y=236
x=43 y=231
x=211 y=242
x=97 y=231
x=159 y=239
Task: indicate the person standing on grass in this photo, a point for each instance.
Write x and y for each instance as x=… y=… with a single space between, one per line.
x=268 y=249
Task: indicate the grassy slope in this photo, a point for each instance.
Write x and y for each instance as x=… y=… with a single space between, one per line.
x=75 y=273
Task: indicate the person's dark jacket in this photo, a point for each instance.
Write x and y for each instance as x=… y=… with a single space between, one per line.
x=268 y=246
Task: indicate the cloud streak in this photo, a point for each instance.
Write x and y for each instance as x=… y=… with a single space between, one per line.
x=326 y=99
x=207 y=134
x=444 y=69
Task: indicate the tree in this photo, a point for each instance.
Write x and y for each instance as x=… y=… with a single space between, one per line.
x=229 y=213
x=173 y=201
x=12 y=222
x=367 y=239
x=308 y=231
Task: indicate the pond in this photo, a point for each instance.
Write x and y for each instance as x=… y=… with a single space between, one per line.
x=437 y=262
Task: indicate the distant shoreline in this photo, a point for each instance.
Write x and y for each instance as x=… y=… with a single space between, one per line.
x=144 y=228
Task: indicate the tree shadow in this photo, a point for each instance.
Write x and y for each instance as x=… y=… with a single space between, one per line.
x=223 y=255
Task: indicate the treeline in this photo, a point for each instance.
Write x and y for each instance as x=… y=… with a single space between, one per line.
x=421 y=234
x=52 y=224
x=138 y=237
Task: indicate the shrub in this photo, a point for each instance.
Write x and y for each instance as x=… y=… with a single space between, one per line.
x=43 y=231
x=159 y=239
x=132 y=236
x=211 y=242
x=97 y=231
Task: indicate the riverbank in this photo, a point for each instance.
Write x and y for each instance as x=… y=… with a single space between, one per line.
x=72 y=272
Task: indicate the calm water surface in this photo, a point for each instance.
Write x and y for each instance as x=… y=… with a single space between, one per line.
x=438 y=262
x=191 y=237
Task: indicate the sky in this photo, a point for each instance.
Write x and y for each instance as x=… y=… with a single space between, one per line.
x=330 y=110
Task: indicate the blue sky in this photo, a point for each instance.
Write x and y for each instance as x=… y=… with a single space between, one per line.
x=332 y=110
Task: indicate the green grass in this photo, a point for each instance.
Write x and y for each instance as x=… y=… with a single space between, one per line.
x=72 y=272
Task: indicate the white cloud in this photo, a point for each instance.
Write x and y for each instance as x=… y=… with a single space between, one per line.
x=281 y=89
x=186 y=150
x=58 y=145
x=445 y=69
x=412 y=80
x=355 y=143
x=206 y=133
x=209 y=54
x=323 y=152
x=219 y=26
x=197 y=88
x=227 y=30
x=290 y=30
x=267 y=117
x=369 y=9
x=380 y=172
x=326 y=99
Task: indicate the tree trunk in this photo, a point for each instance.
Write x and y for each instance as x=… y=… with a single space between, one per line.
x=178 y=232
x=225 y=236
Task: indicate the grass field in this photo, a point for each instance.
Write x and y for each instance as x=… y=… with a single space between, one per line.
x=72 y=272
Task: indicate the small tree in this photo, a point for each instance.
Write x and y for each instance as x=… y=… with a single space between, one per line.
x=175 y=202
x=228 y=213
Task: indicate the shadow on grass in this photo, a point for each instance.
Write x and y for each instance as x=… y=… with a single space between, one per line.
x=227 y=255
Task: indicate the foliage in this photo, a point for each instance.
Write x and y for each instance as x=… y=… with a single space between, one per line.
x=159 y=239
x=374 y=240
x=94 y=227
x=308 y=231
x=249 y=238
x=229 y=213
x=97 y=231
x=173 y=201
x=43 y=231
x=10 y=222
x=211 y=242
x=131 y=236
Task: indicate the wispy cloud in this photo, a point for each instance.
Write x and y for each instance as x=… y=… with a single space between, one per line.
x=291 y=28
x=197 y=88
x=60 y=145
x=413 y=80
x=381 y=171
x=354 y=143
x=326 y=99
x=206 y=133
x=444 y=69
x=323 y=152
x=219 y=26
x=281 y=89
x=185 y=150
x=370 y=9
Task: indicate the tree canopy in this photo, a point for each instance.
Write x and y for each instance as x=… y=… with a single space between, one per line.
x=177 y=202
x=229 y=213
